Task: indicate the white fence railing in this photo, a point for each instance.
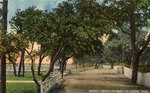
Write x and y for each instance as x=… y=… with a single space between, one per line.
x=142 y=78
x=55 y=79
x=10 y=69
x=80 y=69
x=49 y=84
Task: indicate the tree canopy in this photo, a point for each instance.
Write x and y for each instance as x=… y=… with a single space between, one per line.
x=74 y=28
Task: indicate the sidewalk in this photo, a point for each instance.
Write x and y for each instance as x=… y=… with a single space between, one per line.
x=94 y=81
x=19 y=81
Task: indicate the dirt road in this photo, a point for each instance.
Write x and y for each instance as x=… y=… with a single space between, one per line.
x=96 y=81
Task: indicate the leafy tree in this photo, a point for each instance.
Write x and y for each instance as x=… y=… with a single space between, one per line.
x=27 y=24
x=74 y=33
x=130 y=17
x=14 y=45
x=112 y=52
x=117 y=49
x=17 y=24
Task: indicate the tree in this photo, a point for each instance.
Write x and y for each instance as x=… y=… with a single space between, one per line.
x=17 y=24
x=74 y=31
x=131 y=17
x=14 y=45
x=3 y=57
x=28 y=24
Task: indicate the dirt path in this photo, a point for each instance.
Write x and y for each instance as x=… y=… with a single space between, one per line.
x=19 y=81
x=94 y=81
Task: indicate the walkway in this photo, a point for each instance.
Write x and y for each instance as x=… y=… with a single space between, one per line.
x=19 y=81
x=97 y=80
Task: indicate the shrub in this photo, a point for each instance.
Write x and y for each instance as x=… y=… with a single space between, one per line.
x=144 y=68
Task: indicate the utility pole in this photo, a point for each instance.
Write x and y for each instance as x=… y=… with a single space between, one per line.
x=3 y=57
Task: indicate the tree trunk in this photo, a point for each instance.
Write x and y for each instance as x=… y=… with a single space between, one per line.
x=135 y=64
x=65 y=66
x=39 y=66
x=21 y=62
x=39 y=69
x=62 y=68
x=3 y=74
x=23 y=68
x=13 y=62
x=54 y=57
x=33 y=72
x=112 y=65
x=19 y=69
x=96 y=65
x=38 y=89
x=134 y=50
x=33 y=75
x=50 y=70
x=3 y=58
x=14 y=66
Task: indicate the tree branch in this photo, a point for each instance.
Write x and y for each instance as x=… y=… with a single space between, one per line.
x=10 y=59
x=70 y=56
x=52 y=61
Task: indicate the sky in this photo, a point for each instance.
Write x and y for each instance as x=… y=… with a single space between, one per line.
x=13 y=5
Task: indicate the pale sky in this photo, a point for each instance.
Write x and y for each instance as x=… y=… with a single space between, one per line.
x=13 y=5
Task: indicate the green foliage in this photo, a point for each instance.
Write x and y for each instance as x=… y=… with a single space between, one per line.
x=144 y=69
x=12 y=44
x=117 y=50
x=2 y=47
x=67 y=30
x=20 y=88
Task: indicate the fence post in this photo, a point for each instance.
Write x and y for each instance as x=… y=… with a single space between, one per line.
x=41 y=88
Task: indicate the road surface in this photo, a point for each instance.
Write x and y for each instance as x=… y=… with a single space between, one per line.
x=99 y=81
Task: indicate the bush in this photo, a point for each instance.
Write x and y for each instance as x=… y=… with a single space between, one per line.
x=144 y=68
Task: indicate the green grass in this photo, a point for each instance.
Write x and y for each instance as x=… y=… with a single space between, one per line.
x=141 y=68
x=20 y=88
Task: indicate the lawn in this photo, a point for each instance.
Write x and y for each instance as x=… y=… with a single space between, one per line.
x=21 y=87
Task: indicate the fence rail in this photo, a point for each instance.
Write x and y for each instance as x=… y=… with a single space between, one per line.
x=54 y=80
x=80 y=69
x=10 y=69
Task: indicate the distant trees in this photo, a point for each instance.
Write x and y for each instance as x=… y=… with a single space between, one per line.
x=117 y=49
